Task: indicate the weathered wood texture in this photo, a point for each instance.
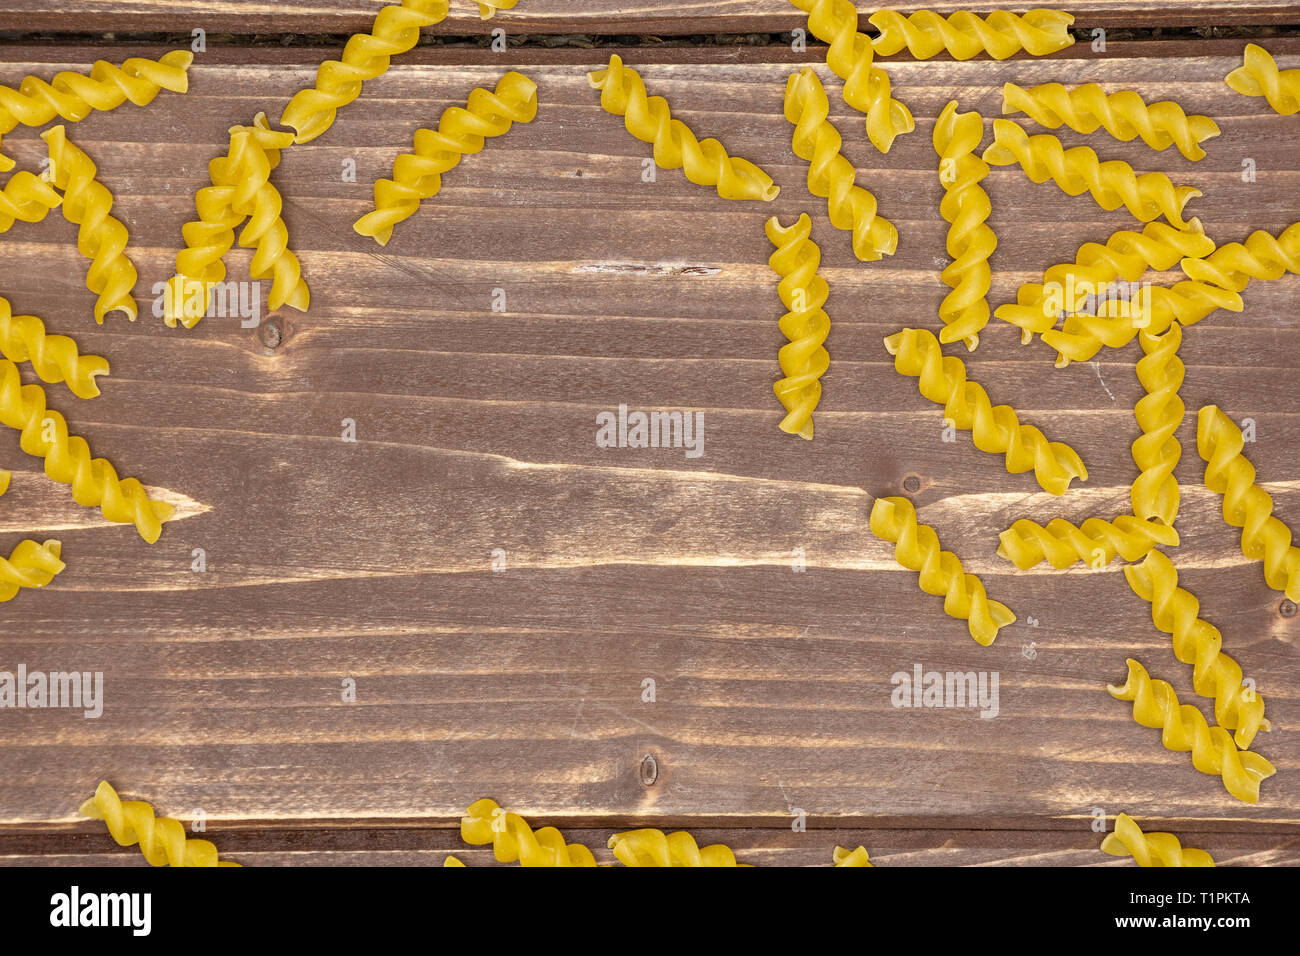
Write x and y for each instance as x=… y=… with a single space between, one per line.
x=475 y=431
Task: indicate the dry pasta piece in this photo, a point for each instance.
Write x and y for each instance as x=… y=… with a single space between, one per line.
x=68 y=461
x=1124 y=115
x=916 y=547
x=26 y=198
x=1150 y=849
x=54 y=358
x=1198 y=643
x=4 y=480
x=461 y=130
x=1159 y=413
x=1096 y=542
x=656 y=848
x=704 y=161
x=30 y=565
x=513 y=839
x=1245 y=504
x=1258 y=75
x=367 y=55
x=487 y=8
x=996 y=429
x=964 y=35
x=804 y=359
x=1078 y=170
x=1262 y=256
x=162 y=840
x=970 y=243
x=851 y=57
x=842 y=856
x=451 y=861
x=1184 y=729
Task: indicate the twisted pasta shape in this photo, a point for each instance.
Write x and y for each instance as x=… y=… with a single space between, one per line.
x=996 y=429
x=1078 y=170
x=966 y=207
x=804 y=359
x=162 y=840
x=1245 y=504
x=512 y=839
x=26 y=198
x=451 y=861
x=487 y=8
x=1150 y=849
x=1125 y=255
x=30 y=565
x=1258 y=75
x=418 y=175
x=964 y=35
x=67 y=458
x=1262 y=256
x=830 y=175
x=704 y=161
x=916 y=547
x=842 y=856
x=101 y=237
x=1096 y=542
x=1198 y=643
x=1184 y=729
x=4 y=481
x=367 y=55
x=656 y=848
x=851 y=57
x=1159 y=413
x=1124 y=115
x=54 y=357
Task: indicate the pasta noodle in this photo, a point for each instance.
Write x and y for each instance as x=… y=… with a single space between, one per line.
x=67 y=458
x=1245 y=504
x=101 y=238
x=367 y=55
x=1124 y=115
x=162 y=840
x=1096 y=542
x=704 y=161
x=1078 y=170
x=916 y=547
x=830 y=175
x=1262 y=256
x=1159 y=413
x=851 y=57
x=656 y=848
x=54 y=358
x=26 y=198
x=996 y=429
x=804 y=359
x=1184 y=729
x=512 y=839
x=970 y=243
x=4 y=481
x=30 y=564
x=451 y=861
x=1150 y=849
x=1258 y=75
x=488 y=8
x=842 y=856
x=1198 y=643
x=418 y=175
x=964 y=35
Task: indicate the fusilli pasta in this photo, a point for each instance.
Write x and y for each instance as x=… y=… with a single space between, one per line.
x=804 y=359
x=30 y=564
x=964 y=34
x=1150 y=849
x=656 y=848
x=162 y=840
x=1096 y=542
x=1258 y=75
x=970 y=243
x=842 y=856
x=54 y=358
x=513 y=839
x=1159 y=412
x=26 y=198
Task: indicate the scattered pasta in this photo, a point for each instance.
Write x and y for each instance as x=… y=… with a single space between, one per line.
x=26 y=198
x=842 y=856
x=1096 y=542
x=512 y=839
x=964 y=34
x=970 y=243
x=804 y=359
x=54 y=358
x=31 y=564
x=1258 y=75
x=1150 y=849
x=162 y=840
x=1159 y=413
x=656 y=848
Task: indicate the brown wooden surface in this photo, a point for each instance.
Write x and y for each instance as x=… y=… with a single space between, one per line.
x=476 y=431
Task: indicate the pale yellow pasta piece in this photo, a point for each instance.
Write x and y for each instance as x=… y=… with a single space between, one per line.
x=26 y=198
x=842 y=856
x=804 y=359
x=54 y=358
x=162 y=840
x=966 y=207
x=656 y=848
x=964 y=34
x=487 y=8
x=1150 y=849
x=31 y=564
x=513 y=839
x=1096 y=542
x=1159 y=413
x=1258 y=75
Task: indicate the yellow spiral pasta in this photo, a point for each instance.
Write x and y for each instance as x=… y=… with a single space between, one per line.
x=367 y=55
x=1124 y=115
x=1262 y=256
x=4 y=480
x=1150 y=849
x=68 y=461
x=704 y=161
x=1096 y=542
x=964 y=35
x=73 y=96
x=487 y=8
x=851 y=57
x=26 y=198
x=451 y=861
x=162 y=840
x=101 y=237
x=418 y=175
x=1258 y=75
x=842 y=856
x=996 y=429
x=1245 y=504
x=30 y=564
x=656 y=848
x=512 y=839
x=916 y=547
x=966 y=207
x=54 y=358
x=804 y=359
x=1184 y=729
x=1159 y=413
x=1078 y=170
x=1198 y=643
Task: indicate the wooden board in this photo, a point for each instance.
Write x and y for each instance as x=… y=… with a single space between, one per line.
x=372 y=560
